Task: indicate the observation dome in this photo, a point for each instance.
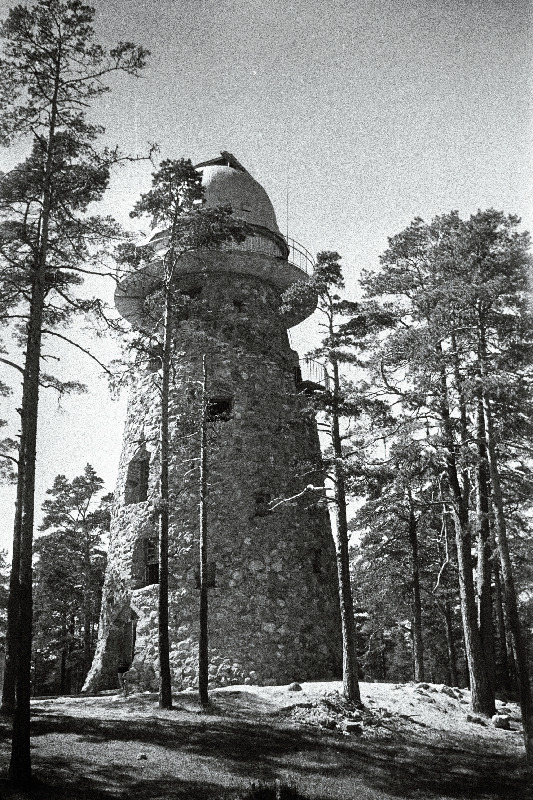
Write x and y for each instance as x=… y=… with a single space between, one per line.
x=264 y=254
x=227 y=183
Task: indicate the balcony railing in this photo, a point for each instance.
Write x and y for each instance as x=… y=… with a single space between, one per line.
x=300 y=256
x=313 y=371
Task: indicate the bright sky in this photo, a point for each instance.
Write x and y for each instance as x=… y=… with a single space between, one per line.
x=366 y=112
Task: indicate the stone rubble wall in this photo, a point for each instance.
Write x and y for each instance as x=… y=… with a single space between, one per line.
x=273 y=615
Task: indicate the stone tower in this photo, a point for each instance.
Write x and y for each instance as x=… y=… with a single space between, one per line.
x=273 y=600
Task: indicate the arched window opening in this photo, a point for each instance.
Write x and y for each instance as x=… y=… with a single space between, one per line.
x=136 y=490
x=262 y=503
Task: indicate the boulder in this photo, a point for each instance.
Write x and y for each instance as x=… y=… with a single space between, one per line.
x=502 y=721
x=475 y=720
x=353 y=727
x=450 y=692
x=294 y=687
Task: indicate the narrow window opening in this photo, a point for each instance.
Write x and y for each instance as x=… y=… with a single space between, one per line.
x=151 y=561
x=317 y=560
x=219 y=409
x=262 y=502
x=136 y=490
x=193 y=292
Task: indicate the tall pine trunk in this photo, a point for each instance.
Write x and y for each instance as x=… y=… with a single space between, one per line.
x=484 y=554
x=87 y=605
x=20 y=763
x=203 y=642
x=416 y=605
x=515 y=629
x=13 y=628
x=349 y=651
x=482 y=693
x=500 y=526
x=450 y=642
x=165 y=687
x=503 y=667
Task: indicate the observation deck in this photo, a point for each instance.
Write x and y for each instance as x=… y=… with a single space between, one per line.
x=265 y=253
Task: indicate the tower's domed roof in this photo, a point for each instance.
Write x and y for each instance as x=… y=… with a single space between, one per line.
x=226 y=182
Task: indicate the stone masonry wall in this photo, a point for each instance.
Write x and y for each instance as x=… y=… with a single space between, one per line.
x=274 y=610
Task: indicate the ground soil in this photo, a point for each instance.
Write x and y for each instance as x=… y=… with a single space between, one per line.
x=409 y=741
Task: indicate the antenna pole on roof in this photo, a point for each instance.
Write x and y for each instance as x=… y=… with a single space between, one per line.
x=287 y=202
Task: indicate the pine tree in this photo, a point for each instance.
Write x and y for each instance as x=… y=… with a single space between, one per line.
x=325 y=284
x=52 y=70
x=457 y=334
x=69 y=572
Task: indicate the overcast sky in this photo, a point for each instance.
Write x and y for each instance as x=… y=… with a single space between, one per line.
x=366 y=113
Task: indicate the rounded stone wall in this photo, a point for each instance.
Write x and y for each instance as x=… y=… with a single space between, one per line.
x=273 y=605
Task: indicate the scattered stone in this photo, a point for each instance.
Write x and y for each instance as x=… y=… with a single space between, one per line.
x=475 y=720
x=385 y=713
x=504 y=710
x=142 y=757
x=422 y=686
x=356 y=716
x=502 y=721
x=329 y=723
x=450 y=692
x=353 y=727
x=294 y=687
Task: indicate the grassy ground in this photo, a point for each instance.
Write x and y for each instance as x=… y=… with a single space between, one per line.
x=412 y=743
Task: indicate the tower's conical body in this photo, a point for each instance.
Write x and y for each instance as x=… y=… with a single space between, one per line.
x=273 y=606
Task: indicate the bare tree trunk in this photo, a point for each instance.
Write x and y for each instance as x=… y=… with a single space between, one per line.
x=450 y=642
x=518 y=644
x=20 y=763
x=203 y=643
x=484 y=554
x=416 y=622
x=349 y=652
x=87 y=610
x=13 y=627
x=482 y=693
x=165 y=686
x=504 y=680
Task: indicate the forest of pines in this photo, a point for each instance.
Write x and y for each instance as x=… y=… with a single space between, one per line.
x=426 y=425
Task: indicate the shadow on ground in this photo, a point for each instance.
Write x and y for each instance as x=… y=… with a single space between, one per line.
x=202 y=756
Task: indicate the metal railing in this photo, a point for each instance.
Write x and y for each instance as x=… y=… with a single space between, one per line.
x=314 y=371
x=300 y=256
